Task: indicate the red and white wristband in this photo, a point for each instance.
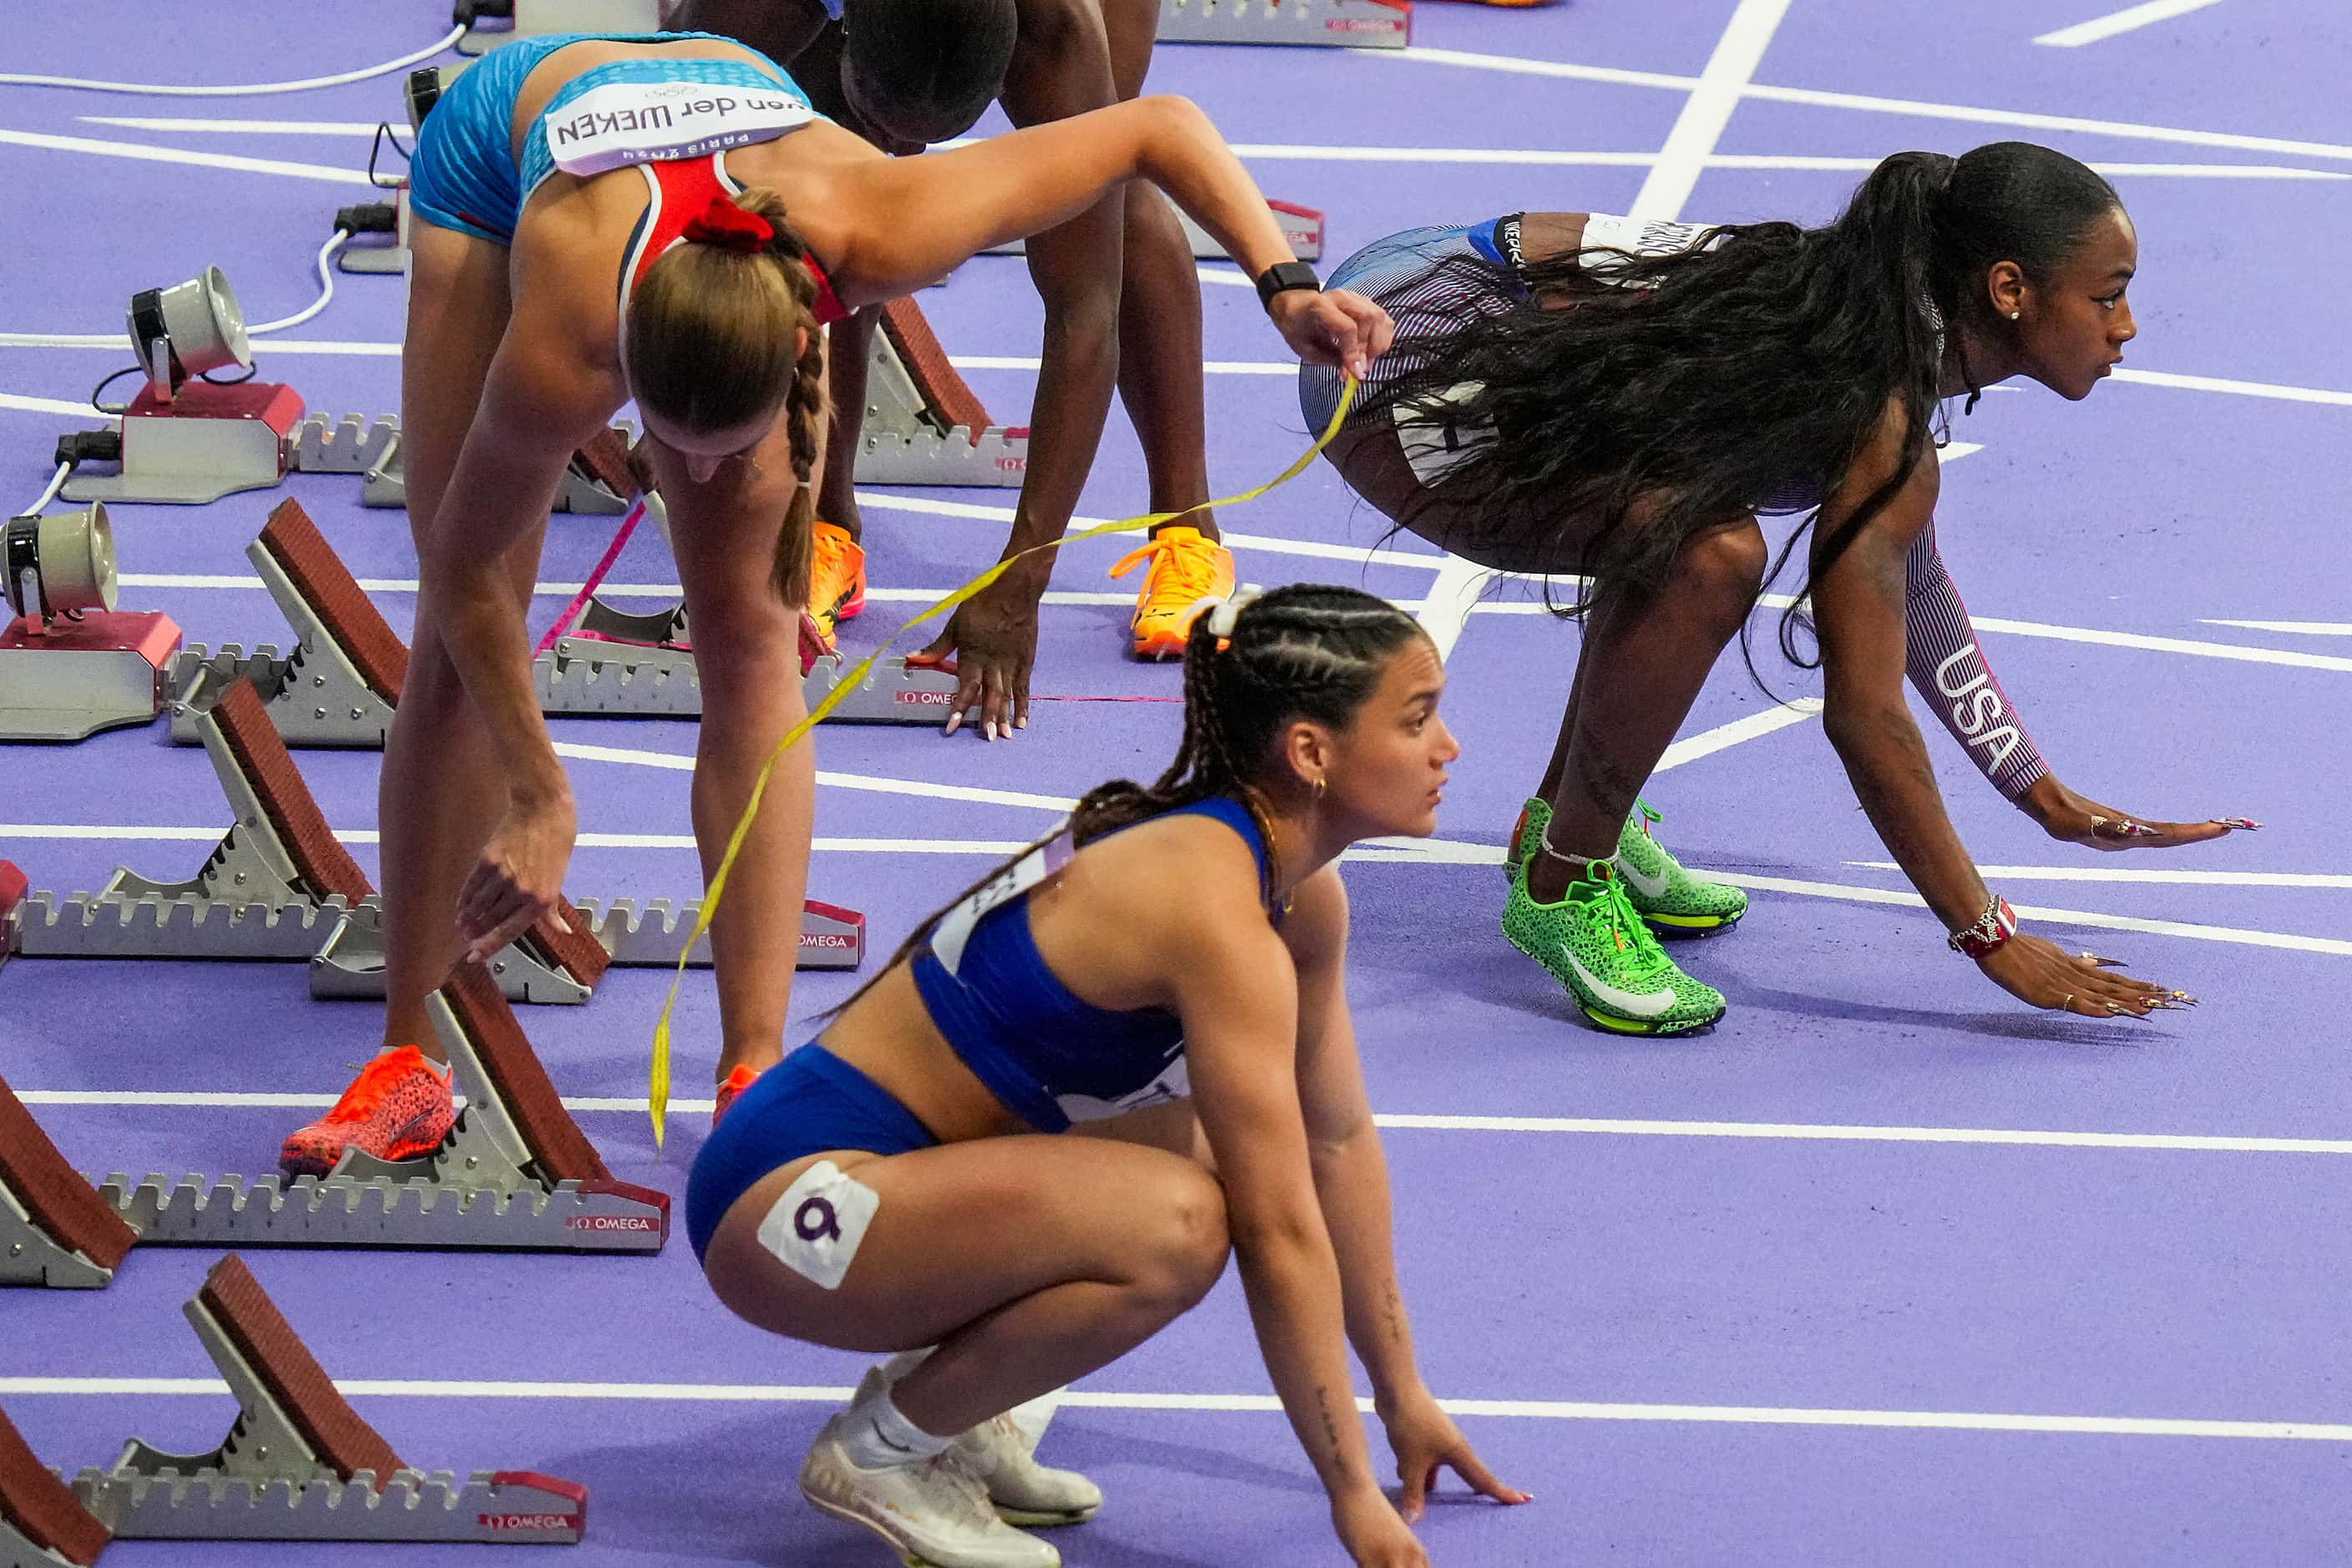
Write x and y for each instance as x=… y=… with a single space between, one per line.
x=1993 y=928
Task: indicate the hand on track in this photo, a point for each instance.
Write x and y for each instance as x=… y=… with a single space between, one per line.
x=992 y=637
x=1425 y=1441
x=2041 y=973
x=2077 y=819
x=518 y=879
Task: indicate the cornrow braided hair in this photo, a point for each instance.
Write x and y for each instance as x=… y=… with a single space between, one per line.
x=1310 y=651
x=712 y=334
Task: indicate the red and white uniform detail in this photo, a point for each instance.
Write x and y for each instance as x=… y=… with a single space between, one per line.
x=676 y=193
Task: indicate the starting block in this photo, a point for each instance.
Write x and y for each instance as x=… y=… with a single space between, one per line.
x=280 y=886
x=1302 y=227
x=515 y=1173
x=42 y=1523
x=343 y=679
x=1345 y=24
x=532 y=18
x=301 y=1464
x=55 y=1229
x=923 y=425
x=614 y=661
x=370 y=447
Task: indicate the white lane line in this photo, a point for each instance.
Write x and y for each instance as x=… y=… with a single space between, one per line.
x=1401 y=1122
x=104 y=833
x=608 y=590
x=2236 y=388
x=1708 y=741
x=1869 y=104
x=1451 y=599
x=2296 y=628
x=116 y=342
x=675 y=762
x=2159 y=878
x=362 y=128
x=1709 y=109
x=2238 y=651
x=2196 y=932
x=2129 y=19
x=55 y=404
x=1276 y=369
x=2172 y=1142
x=141 y=153
x=1243 y=1404
x=1356 y=554
x=1224 y=275
x=1432 y=852
x=1283 y=152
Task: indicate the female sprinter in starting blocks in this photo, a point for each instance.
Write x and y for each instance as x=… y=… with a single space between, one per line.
x=1578 y=393
x=1168 y=970
x=686 y=177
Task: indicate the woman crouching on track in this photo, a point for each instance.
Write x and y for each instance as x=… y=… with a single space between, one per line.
x=559 y=176
x=1574 y=393
x=885 y=1188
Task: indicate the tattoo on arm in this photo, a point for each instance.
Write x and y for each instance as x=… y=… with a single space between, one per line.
x=1331 y=1434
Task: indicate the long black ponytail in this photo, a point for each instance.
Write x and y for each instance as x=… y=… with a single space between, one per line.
x=1744 y=375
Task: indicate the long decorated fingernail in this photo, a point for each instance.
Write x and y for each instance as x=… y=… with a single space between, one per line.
x=2236 y=822
x=2130 y=829
x=2183 y=996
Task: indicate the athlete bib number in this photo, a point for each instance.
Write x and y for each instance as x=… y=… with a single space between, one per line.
x=625 y=122
x=955 y=927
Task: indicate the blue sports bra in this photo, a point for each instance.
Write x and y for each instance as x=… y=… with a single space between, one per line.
x=1051 y=1057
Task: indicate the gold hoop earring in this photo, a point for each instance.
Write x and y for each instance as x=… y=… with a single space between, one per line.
x=1319 y=790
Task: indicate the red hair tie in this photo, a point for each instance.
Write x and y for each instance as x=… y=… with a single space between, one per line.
x=724 y=223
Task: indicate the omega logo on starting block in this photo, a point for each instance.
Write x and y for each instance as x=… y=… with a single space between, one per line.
x=529 y=1522
x=609 y=1222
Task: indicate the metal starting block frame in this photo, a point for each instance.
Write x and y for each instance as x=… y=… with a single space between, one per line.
x=616 y=661
x=277 y=886
x=923 y=425
x=370 y=447
x=515 y=1173
x=339 y=688
x=338 y=685
x=1301 y=227
x=55 y=1229
x=1344 y=24
x=299 y=1464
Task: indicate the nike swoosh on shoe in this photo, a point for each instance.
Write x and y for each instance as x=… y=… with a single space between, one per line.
x=1635 y=879
x=1654 y=1005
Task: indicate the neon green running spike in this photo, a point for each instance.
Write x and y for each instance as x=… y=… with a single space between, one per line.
x=1674 y=902
x=1594 y=944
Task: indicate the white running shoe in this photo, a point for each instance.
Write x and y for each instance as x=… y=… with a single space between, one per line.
x=1003 y=1453
x=934 y=1515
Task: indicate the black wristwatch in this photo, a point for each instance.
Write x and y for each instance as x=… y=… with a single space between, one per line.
x=1283 y=277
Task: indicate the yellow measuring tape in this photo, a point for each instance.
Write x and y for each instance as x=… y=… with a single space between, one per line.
x=657 y=1084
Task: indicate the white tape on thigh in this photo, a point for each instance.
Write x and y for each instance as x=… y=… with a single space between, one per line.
x=815 y=1227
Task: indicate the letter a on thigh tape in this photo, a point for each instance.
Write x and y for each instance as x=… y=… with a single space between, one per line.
x=815 y=1227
